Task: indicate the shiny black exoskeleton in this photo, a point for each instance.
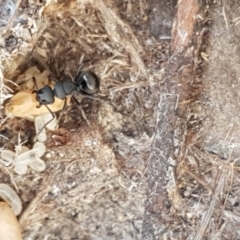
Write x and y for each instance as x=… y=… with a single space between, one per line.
x=85 y=82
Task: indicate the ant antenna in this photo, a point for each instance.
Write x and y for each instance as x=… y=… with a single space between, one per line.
x=53 y=116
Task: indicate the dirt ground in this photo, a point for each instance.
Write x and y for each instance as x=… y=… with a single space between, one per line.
x=160 y=157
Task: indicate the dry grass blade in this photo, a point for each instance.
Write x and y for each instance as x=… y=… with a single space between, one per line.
x=224 y=15
x=200 y=180
x=31 y=208
x=99 y=175
x=208 y=214
x=121 y=33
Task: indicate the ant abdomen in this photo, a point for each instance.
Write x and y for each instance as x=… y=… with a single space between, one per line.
x=87 y=82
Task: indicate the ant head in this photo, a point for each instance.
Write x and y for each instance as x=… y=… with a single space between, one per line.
x=45 y=95
x=87 y=82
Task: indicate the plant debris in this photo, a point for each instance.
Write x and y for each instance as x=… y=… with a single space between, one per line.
x=157 y=157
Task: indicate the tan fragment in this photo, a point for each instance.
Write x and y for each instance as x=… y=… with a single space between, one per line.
x=10 y=229
x=24 y=104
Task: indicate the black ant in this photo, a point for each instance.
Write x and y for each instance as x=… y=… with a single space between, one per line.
x=86 y=82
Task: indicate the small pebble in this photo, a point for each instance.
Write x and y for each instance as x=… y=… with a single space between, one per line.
x=186 y=193
x=48 y=155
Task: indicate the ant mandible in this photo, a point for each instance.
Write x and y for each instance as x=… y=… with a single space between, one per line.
x=86 y=82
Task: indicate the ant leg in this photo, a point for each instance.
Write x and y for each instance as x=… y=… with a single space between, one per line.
x=91 y=97
x=53 y=116
x=80 y=65
x=53 y=77
x=62 y=110
x=83 y=113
